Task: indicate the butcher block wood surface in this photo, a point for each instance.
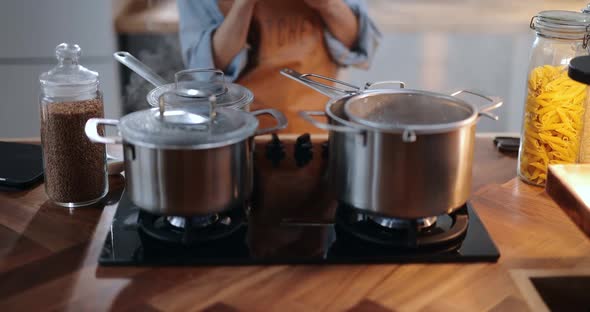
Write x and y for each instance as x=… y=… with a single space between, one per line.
x=569 y=186
x=48 y=261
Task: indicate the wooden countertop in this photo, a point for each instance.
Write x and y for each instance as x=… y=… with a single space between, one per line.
x=48 y=261
x=569 y=186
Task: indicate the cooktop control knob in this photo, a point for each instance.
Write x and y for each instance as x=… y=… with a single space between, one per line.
x=275 y=150
x=303 y=150
x=325 y=150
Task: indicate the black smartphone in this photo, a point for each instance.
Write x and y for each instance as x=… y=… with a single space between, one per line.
x=21 y=165
x=507 y=144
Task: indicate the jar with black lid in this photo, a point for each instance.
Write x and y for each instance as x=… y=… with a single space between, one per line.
x=554 y=105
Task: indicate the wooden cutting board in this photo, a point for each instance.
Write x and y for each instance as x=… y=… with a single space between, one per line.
x=569 y=186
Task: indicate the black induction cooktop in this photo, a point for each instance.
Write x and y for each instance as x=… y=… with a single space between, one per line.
x=137 y=238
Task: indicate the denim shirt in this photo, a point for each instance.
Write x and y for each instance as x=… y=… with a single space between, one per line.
x=200 y=18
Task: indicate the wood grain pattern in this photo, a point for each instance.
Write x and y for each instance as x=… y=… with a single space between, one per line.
x=569 y=186
x=48 y=261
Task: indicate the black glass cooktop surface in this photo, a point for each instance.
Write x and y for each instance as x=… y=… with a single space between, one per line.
x=233 y=239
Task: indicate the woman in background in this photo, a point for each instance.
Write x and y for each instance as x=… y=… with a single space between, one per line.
x=251 y=40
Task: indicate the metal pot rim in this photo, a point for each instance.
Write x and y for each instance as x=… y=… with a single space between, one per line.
x=144 y=128
x=418 y=129
x=249 y=130
x=339 y=119
x=421 y=129
x=207 y=146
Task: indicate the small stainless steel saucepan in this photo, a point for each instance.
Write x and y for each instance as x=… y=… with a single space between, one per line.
x=347 y=166
x=192 y=160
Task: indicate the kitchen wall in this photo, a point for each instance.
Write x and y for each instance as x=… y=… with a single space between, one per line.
x=447 y=45
x=435 y=45
x=29 y=32
x=494 y=64
x=441 y=45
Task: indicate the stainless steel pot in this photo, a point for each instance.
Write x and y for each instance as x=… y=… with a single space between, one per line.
x=197 y=84
x=398 y=170
x=348 y=152
x=185 y=163
x=348 y=168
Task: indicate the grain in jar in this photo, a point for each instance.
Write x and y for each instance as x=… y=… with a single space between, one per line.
x=75 y=168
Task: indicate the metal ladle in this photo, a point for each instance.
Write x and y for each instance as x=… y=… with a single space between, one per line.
x=148 y=74
x=139 y=68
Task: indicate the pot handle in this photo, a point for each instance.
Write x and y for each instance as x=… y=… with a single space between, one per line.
x=277 y=115
x=307 y=115
x=91 y=130
x=496 y=102
x=327 y=90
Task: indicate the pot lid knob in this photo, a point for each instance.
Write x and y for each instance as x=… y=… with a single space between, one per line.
x=175 y=111
x=200 y=83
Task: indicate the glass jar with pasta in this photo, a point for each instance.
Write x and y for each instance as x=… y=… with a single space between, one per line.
x=554 y=105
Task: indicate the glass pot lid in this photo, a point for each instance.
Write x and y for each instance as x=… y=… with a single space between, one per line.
x=561 y=24
x=199 y=84
x=68 y=78
x=398 y=111
x=197 y=126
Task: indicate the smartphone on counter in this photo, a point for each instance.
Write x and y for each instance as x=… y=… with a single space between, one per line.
x=21 y=165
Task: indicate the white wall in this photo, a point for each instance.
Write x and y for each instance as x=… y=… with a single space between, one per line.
x=448 y=45
x=29 y=32
x=495 y=64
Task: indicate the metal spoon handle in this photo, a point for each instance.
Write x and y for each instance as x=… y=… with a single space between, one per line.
x=139 y=68
x=323 y=88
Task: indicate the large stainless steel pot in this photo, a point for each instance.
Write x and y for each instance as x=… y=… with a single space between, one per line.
x=197 y=84
x=187 y=162
x=348 y=152
x=402 y=170
x=348 y=168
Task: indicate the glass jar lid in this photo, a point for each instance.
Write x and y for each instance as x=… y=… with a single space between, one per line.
x=561 y=24
x=197 y=126
x=69 y=78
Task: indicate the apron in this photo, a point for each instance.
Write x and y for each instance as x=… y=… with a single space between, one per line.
x=285 y=33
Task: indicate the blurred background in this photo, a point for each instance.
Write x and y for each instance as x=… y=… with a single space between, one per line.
x=439 y=45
